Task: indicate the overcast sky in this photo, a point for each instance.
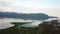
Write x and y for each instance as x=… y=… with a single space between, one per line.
x=50 y=7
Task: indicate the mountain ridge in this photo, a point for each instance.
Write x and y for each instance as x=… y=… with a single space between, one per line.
x=31 y=16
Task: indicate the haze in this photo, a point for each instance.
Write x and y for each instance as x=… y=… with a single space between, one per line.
x=50 y=7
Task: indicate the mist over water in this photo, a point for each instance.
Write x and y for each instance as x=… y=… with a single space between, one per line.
x=6 y=22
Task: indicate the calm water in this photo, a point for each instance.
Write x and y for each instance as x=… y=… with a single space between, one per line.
x=5 y=23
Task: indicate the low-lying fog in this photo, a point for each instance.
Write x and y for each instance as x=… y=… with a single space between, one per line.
x=6 y=22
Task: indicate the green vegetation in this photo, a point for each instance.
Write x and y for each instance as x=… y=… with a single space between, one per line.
x=43 y=28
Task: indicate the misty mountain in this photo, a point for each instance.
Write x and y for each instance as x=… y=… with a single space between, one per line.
x=31 y=16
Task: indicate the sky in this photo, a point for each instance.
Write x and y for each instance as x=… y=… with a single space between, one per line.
x=50 y=7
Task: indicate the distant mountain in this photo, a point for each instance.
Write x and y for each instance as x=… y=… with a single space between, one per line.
x=31 y=16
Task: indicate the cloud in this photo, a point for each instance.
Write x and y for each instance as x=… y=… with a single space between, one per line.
x=25 y=7
x=10 y=6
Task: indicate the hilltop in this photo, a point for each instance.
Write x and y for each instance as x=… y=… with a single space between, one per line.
x=31 y=16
